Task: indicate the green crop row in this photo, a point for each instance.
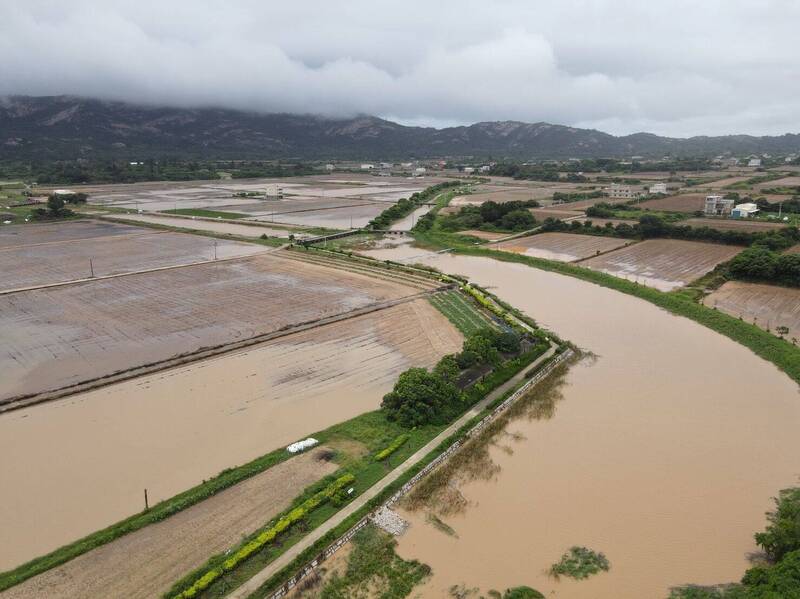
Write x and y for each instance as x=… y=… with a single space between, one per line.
x=393 y=446
x=267 y=536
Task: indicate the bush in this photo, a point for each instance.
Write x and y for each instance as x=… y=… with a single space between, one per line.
x=393 y=446
x=580 y=563
x=420 y=397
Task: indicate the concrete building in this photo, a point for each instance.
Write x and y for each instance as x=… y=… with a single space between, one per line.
x=329 y=167
x=469 y=170
x=658 y=188
x=419 y=171
x=754 y=162
x=367 y=167
x=620 y=192
x=718 y=206
x=745 y=210
x=485 y=168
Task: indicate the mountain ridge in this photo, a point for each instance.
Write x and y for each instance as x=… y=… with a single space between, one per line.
x=70 y=127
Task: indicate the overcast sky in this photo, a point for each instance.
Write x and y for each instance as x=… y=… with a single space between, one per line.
x=671 y=67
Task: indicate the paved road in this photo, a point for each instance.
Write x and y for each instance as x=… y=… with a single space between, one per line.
x=285 y=559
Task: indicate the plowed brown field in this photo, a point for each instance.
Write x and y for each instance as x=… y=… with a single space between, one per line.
x=563 y=247
x=663 y=263
x=690 y=202
x=63 y=335
x=768 y=306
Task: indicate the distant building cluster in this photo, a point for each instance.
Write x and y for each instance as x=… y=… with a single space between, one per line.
x=622 y=192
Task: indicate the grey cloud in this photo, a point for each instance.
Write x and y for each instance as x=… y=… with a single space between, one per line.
x=676 y=68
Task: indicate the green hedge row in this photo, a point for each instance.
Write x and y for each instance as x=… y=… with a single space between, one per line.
x=393 y=446
x=267 y=536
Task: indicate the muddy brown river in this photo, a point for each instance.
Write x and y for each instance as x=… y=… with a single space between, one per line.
x=663 y=453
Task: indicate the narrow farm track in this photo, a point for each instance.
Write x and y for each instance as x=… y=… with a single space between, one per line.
x=287 y=558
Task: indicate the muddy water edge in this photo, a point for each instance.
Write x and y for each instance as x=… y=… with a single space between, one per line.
x=662 y=452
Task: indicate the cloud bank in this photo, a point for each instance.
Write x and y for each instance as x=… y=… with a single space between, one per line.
x=674 y=68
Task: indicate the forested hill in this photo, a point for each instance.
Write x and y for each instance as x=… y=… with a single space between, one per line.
x=66 y=127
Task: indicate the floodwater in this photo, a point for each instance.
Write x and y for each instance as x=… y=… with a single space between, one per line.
x=75 y=465
x=206 y=225
x=663 y=452
x=407 y=223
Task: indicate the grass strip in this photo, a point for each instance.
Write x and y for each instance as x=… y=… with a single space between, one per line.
x=205 y=213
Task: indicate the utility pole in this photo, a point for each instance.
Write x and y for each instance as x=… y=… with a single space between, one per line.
x=146 y=504
x=91 y=268
x=215 y=249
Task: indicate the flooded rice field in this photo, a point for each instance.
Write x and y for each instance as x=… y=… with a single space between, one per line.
x=665 y=264
x=94 y=453
x=563 y=247
x=47 y=263
x=663 y=452
x=768 y=306
x=61 y=336
x=223 y=227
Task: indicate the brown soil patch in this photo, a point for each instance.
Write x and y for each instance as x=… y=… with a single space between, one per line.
x=563 y=247
x=690 y=202
x=768 y=306
x=145 y=563
x=663 y=263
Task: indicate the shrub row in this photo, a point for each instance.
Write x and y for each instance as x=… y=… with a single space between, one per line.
x=393 y=446
x=406 y=206
x=267 y=536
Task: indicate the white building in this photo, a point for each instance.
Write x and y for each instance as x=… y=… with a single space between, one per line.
x=658 y=188
x=329 y=167
x=718 y=206
x=745 y=210
x=485 y=168
x=386 y=165
x=420 y=170
x=622 y=192
x=469 y=170
x=367 y=167
x=754 y=162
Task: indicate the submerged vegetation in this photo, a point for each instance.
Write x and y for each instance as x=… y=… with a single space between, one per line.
x=580 y=563
x=374 y=569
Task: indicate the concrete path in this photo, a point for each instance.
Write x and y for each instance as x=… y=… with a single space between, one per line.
x=285 y=559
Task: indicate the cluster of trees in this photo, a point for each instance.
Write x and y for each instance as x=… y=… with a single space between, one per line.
x=544 y=172
x=791 y=206
x=433 y=397
x=550 y=171
x=406 y=206
x=779 y=578
x=762 y=264
x=508 y=216
x=652 y=226
x=164 y=169
x=55 y=209
x=564 y=197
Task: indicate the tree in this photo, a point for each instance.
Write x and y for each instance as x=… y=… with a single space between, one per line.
x=517 y=220
x=420 y=397
x=55 y=204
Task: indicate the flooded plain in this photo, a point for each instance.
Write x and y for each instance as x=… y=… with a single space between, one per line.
x=95 y=453
x=663 y=452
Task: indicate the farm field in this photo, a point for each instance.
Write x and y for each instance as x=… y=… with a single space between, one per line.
x=690 y=202
x=145 y=563
x=563 y=247
x=461 y=312
x=60 y=336
x=665 y=264
x=335 y=218
x=769 y=306
x=34 y=234
x=220 y=227
x=785 y=182
x=325 y=190
x=132 y=250
x=727 y=224
x=96 y=451
x=721 y=183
